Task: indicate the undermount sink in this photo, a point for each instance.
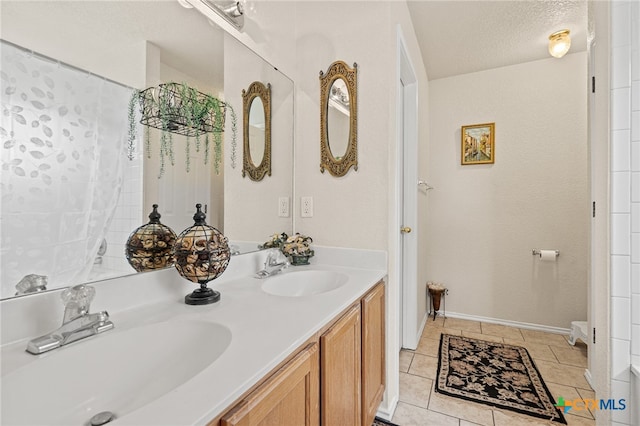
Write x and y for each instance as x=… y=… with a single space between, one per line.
x=115 y=371
x=303 y=283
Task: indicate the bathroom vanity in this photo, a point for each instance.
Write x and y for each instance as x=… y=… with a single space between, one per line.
x=336 y=377
x=265 y=350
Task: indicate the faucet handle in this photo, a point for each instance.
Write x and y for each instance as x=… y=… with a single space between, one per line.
x=81 y=295
x=275 y=257
x=31 y=283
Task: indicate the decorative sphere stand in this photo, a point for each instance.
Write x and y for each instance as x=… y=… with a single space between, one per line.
x=150 y=246
x=202 y=296
x=436 y=291
x=201 y=254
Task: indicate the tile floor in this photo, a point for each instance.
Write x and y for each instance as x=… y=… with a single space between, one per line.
x=561 y=365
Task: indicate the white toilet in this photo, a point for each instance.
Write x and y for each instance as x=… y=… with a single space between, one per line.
x=578 y=331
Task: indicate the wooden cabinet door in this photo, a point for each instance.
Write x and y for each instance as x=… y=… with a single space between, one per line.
x=288 y=398
x=340 y=372
x=373 y=350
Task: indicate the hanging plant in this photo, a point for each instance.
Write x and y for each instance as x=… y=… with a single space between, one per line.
x=131 y=112
x=188 y=107
x=166 y=108
x=181 y=109
x=234 y=127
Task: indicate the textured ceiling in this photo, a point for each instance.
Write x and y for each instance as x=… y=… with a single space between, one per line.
x=459 y=37
x=456 y=37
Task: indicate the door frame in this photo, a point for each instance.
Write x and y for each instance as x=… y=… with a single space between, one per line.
x=407 y=194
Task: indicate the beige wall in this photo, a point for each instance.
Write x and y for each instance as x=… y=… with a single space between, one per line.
x=359 y=209
x=349 y=211
x=352 y=211
x=251 y=208
x=485 y=219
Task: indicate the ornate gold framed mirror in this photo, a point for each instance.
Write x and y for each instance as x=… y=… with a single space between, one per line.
x=339 y=119
x=256 y=102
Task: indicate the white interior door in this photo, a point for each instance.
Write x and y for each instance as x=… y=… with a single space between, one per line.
x=408 y=226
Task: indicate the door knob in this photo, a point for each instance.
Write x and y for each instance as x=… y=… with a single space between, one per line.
x=405 y=229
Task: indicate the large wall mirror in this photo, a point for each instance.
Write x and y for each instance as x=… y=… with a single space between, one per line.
x=132 y=44
x=339 y=119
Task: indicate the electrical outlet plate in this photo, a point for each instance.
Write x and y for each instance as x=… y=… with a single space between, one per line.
x=283 y=207
x=306 y=207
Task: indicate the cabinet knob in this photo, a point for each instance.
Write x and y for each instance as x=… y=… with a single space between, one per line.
x=405 y=229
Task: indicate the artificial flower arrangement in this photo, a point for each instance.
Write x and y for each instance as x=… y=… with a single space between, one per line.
x=298 y=248
x=275 y=241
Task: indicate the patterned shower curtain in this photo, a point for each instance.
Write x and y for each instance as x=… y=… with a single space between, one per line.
x=63 y=133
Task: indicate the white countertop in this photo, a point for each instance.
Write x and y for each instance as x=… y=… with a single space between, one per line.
x=265 y=328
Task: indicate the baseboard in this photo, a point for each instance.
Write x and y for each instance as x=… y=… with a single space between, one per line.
x=587 y=375
x=422 y=325
x=416 y=339
x=385 y=411
x=525 y=325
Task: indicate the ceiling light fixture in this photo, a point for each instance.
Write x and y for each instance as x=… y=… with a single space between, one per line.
x=230 y=10
x=559 y=43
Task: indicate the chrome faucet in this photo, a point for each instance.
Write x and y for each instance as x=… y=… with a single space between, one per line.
x=276 y=262
x=77 y=322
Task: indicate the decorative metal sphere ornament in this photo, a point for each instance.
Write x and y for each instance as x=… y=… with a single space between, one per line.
x=149 y=246
x=201 y=254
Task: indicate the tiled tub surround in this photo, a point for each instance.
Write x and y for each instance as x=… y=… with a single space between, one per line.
x=624 y=203
x=265 y=328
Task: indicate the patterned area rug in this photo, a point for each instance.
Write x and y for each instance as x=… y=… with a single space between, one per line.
x=496 y=374
x=382 y=422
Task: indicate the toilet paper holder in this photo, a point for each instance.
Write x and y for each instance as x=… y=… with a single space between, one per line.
x=537 y=252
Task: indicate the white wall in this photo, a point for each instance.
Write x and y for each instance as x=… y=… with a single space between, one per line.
x=486 y=219
x=625 y=202
x=244 y=198
x=268 y=29
x=356 y=210
x=349 y=211
x=178 y=190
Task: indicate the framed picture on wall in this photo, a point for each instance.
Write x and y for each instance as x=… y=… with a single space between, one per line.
x=478 y=144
